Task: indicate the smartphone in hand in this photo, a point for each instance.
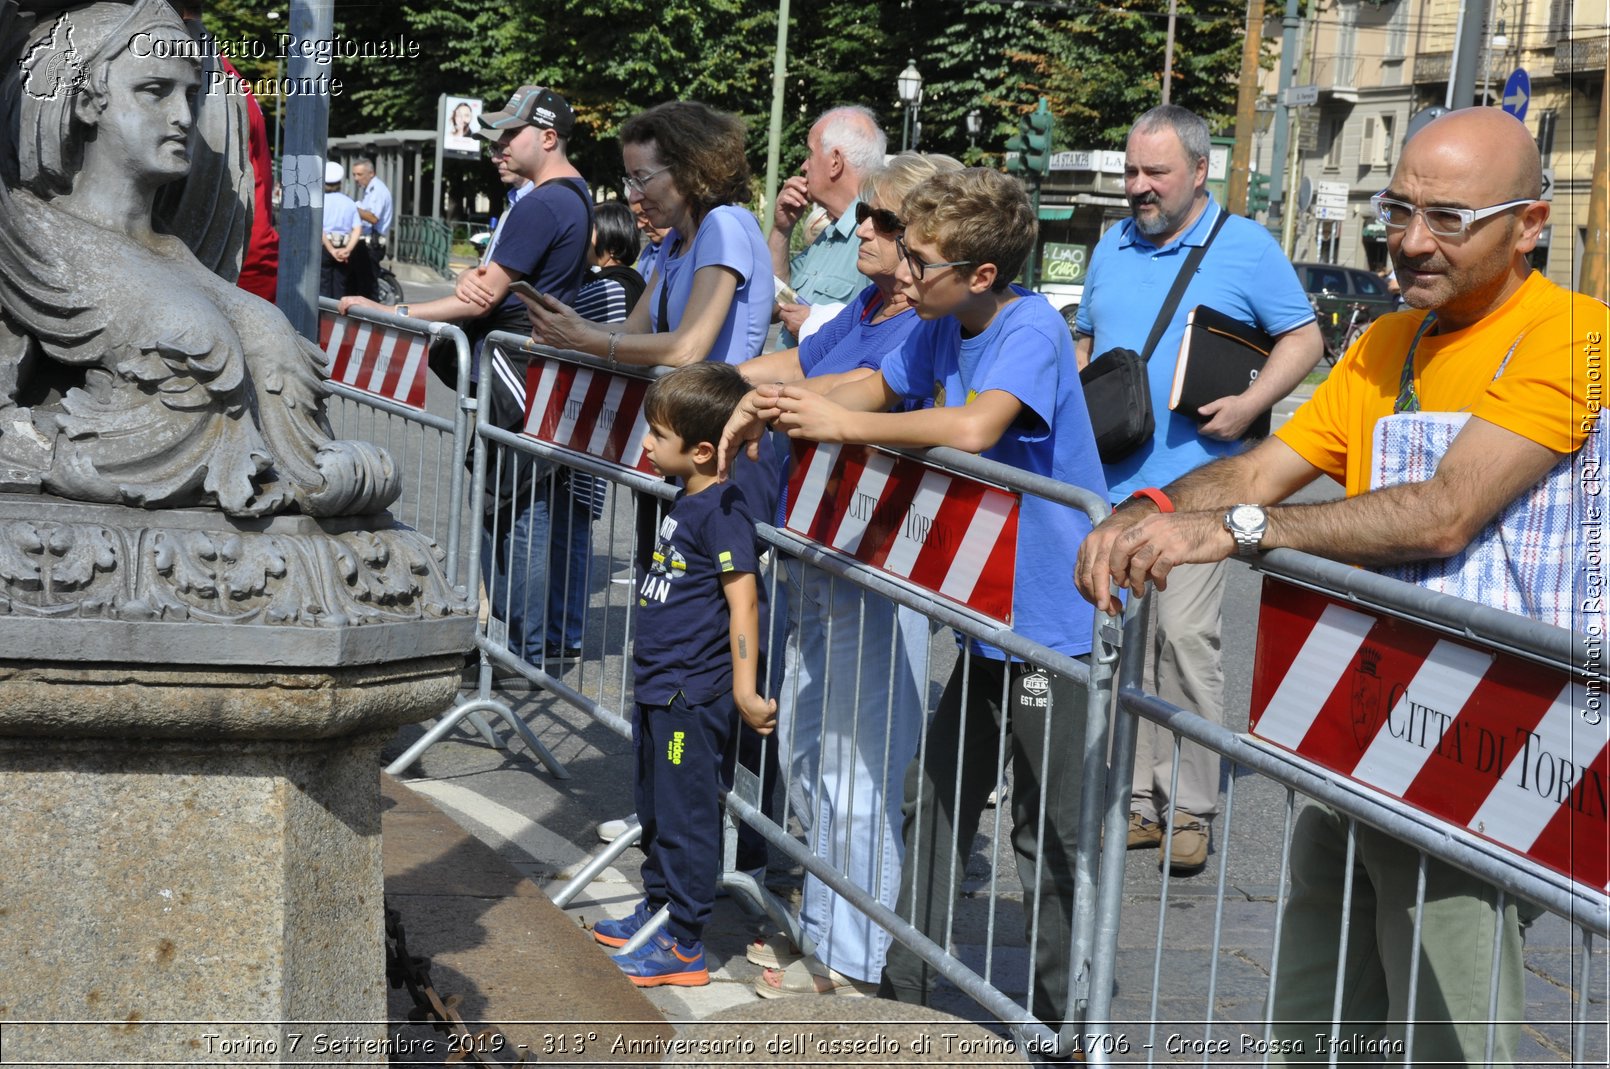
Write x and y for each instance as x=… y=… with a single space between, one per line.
x=525 y=289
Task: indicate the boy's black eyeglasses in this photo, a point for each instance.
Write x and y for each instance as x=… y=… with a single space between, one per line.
x=882 y=218
x=919 y=266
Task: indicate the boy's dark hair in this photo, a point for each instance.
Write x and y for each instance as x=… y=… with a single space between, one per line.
x=695 y=401
x=977 y=215
x=615 y=232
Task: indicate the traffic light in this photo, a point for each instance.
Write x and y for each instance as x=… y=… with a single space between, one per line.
x=1016 y=146
x=1037 y=127
x=1257 y=193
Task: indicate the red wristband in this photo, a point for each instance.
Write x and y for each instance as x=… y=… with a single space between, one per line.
x=1155 y=496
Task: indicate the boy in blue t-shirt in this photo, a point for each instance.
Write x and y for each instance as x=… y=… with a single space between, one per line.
x=692 y=676
x=997 y=363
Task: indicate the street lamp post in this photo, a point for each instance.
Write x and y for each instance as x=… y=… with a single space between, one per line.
x=909 y=86
x=975 y=126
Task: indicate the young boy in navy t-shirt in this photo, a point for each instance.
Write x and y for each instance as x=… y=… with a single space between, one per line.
x=997 y=363
x=695 y=671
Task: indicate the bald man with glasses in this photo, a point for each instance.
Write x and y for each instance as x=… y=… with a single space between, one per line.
x=1483 y=335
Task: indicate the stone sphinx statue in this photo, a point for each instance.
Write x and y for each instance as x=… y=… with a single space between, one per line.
x=164 y=453
x=129 y=372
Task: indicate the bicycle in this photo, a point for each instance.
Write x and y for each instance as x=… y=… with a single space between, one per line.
x=1339 y=335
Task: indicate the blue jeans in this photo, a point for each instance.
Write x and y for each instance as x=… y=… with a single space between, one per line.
x=569 y=559
x=529 y=548
x=849 y=716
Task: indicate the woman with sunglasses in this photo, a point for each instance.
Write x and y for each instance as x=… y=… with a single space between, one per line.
x=847 y=755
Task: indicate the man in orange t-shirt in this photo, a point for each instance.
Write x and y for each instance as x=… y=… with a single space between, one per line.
x=1462 y=213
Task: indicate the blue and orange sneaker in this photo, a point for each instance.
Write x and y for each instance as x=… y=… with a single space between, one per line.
x=663 y=960
x=613 y=933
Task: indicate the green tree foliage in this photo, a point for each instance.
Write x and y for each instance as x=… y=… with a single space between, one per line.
x=1099 y=63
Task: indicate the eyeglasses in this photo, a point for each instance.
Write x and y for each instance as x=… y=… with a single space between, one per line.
x=882 y=218
x=1443 y=222
x=640 y=185
x=919 y=266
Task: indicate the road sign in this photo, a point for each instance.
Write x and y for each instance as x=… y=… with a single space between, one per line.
x=1325 y=211
x=1335 y=189
x=1517 y=92
x=1548 y=184
x=1331 y=200
x=1298 y=96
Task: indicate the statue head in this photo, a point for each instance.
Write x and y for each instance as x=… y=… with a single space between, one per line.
x=110 y=76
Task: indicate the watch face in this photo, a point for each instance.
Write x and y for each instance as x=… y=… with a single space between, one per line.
x=1247 y=517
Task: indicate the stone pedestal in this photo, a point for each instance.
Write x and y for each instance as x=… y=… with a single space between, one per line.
x=194 y=842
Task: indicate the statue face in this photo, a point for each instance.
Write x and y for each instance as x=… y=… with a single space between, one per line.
x=147 y=117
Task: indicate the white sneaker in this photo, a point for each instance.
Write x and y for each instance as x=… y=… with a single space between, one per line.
x=610 y=830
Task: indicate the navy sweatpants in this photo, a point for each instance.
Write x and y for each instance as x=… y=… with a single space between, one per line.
x=683 y=768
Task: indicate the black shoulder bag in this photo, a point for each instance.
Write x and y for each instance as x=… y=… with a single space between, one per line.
x=1117 y=393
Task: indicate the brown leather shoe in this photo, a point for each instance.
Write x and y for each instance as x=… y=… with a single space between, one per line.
x=1190 y=850
x=1143 y=832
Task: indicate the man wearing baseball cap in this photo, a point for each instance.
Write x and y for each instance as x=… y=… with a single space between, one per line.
x=542 y=240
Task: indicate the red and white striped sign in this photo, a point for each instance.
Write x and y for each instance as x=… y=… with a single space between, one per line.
x=587 y=410
x=386 y=361
x=1513 y=751
x=945 y=533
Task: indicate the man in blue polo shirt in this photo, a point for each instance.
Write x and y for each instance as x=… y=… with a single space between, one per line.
x=845 y=144
x=1245 y=275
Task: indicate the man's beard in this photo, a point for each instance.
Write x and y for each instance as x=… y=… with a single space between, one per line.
x=1160 y=223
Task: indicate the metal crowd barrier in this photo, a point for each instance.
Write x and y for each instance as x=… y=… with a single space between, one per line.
x=581 y=423
x=381 y=388
x=380 y=382
x=591 y=407
x=1571 y=1004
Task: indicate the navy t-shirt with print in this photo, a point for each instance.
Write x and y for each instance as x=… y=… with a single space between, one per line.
x=683 y=641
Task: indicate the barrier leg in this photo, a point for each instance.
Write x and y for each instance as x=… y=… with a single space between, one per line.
x=596 y=864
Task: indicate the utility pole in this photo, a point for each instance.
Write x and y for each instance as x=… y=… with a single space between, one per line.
x=1290 y=51
x=1467 y=49
x=774 y=137
x=1288 y=221
x=1246 y=110
x=1168 y=51
x=307 y=138
x=1594 y=279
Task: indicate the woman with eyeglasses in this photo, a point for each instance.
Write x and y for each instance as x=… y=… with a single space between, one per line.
x=846 y=746
x=711 y=294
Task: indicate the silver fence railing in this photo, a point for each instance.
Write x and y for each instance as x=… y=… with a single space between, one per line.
x=520 y=636
x=380 y=383
x=1242 y=1003
x=1128 y=996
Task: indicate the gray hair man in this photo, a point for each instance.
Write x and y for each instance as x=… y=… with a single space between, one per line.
x=1244 y=275
x=845 y=145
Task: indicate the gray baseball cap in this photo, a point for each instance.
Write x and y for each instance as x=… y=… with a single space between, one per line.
x=531 y=105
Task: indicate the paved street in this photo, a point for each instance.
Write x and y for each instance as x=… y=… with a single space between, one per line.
x=543 y=826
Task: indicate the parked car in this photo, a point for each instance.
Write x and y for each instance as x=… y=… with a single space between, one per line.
x=1336 y=287
x=1346 y=300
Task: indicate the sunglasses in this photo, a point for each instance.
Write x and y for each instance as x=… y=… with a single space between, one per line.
x=919 y=266
x=882 y=218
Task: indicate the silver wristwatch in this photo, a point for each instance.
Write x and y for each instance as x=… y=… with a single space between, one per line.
x=1247 y=524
